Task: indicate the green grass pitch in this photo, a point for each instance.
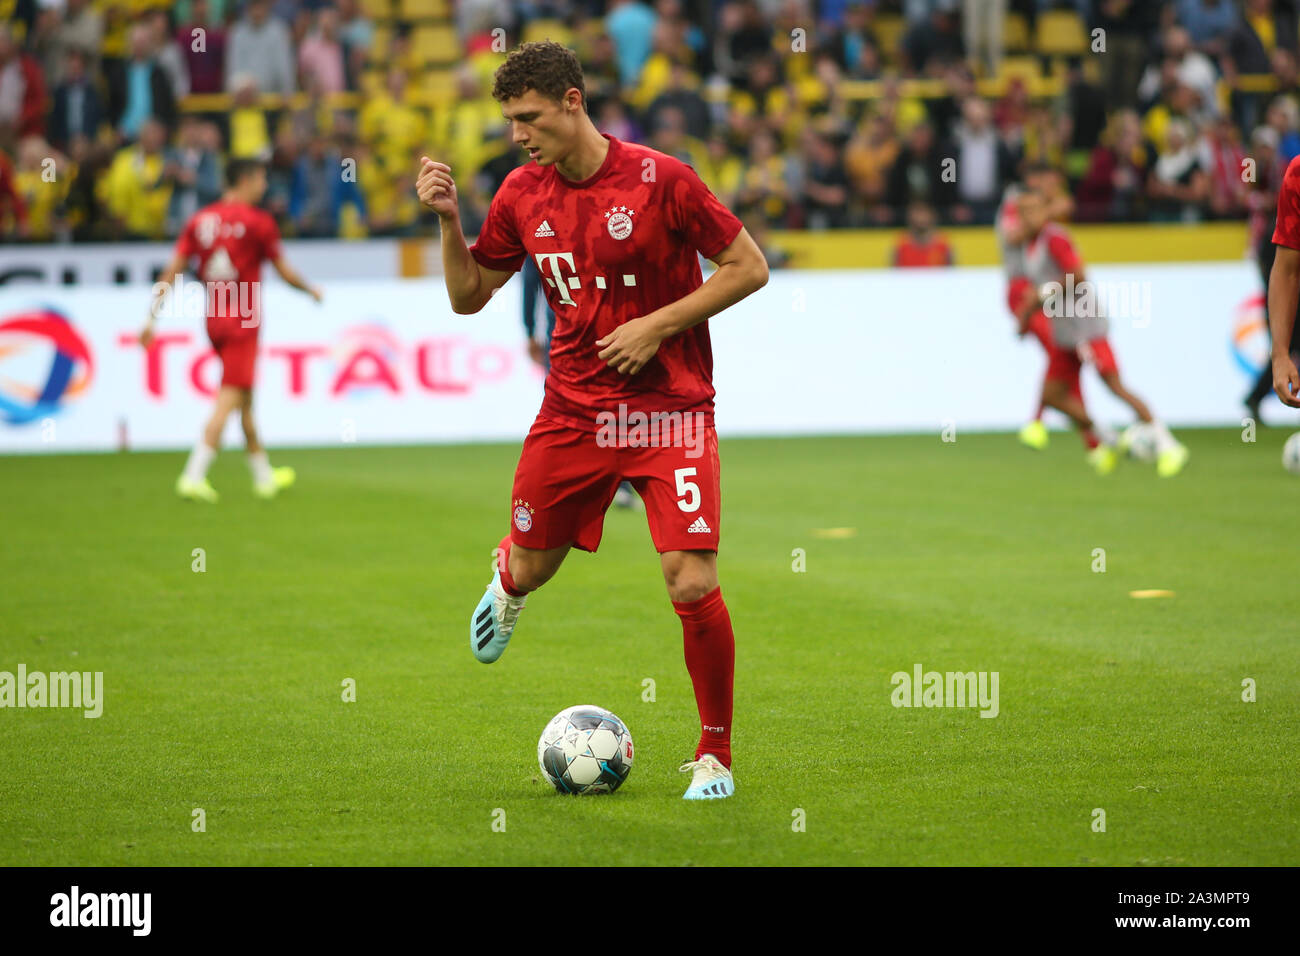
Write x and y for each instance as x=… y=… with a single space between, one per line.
x=224 y=688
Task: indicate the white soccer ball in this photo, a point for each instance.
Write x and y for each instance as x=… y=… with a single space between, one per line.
x=1291 y=454
x=1139 y=440
x=585 y=749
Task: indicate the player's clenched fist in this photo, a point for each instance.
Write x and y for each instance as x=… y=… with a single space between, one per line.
x=436 y=188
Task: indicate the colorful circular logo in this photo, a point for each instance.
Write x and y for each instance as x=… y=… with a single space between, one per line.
x=1250 y=345
x=29 y=388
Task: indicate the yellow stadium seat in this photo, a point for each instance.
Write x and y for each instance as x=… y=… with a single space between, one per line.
x=380 y=43
x=377 y=9
x=1015 y=33
x=1023 y=67
x=1060 y=33
x=436 y=44
x=422 y=9
x=552 y=29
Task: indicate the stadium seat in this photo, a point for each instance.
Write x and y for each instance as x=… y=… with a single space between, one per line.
x=380 y=44
x=1026 y=68
x=1015 y=33
x=422 y=9
x=377 y=9
x=1061 y=33
x=435 y=44
x=548 y=28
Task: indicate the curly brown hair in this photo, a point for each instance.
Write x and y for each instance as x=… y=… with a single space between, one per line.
x=550 y=68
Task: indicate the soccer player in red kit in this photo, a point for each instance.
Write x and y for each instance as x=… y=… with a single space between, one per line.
x=1079 y=334
x=616 y=230
x=231 y=238
x=1010 y=231
x=1284 y=288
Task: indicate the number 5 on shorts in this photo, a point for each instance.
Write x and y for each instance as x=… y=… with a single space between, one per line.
x=688 y=489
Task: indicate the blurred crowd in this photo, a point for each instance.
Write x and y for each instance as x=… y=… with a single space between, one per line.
x=116 y=116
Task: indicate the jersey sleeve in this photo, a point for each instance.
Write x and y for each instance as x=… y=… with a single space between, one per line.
x=1062 y=250
x=270 y=239
x=1287 y=232
x=698 y=216
x=498 y=245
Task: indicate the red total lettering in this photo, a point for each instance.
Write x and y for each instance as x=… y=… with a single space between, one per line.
x=380 y=373
x=196 y=374
x=153 y=357
x=433 y=367
x=297 y=356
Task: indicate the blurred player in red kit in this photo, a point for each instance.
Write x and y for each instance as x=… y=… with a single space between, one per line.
x=1052 y=262
x=230 y=238
x=616 y=230
x=1284 y=288
x=1011 y=234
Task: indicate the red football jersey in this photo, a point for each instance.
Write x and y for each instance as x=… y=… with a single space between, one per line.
x=1287 y=232
x=616 y=246
x=231 y=241
x=910 y=254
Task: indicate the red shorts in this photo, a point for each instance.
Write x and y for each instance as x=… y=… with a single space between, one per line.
x=1065 y=363
x=566 y=481
x=237 y=349
x=1040 y=326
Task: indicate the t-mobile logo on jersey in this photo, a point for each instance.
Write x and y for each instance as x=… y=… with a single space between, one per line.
x=562 y=283
x=638 y=429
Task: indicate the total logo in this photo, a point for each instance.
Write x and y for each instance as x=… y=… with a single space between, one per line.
x=44 y=362
x=1250 y=343
x=364 y=360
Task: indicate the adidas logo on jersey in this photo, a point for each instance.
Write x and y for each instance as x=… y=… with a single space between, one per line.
x=544 y=230
x=699 y=526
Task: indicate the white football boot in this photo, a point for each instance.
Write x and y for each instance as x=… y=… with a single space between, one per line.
x=494 y=621
x=710 y=779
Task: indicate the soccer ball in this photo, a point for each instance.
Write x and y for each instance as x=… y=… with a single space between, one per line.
x=1139 y=441
x=1291 y=454
x=585 y=749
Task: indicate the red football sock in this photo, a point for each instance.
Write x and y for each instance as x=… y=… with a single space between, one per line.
x=1089 y=437
x=503 y=565
x=711 y=660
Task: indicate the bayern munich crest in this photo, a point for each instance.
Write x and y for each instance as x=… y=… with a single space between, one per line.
x=619 y=221
x=523 y=515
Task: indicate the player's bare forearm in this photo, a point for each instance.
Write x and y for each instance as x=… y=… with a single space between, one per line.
x=165 y=279
x=160 y=290
x=290 y=275
x=1283 y=293
x=742 y=271
x=459 y=268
